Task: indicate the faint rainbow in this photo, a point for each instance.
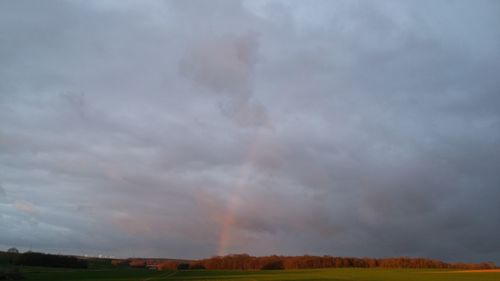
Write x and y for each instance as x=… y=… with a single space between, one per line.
x=234 y=200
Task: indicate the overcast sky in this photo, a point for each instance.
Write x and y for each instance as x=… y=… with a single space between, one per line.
x=193 y=128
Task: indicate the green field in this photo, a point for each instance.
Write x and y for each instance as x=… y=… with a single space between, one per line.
x=352 y=274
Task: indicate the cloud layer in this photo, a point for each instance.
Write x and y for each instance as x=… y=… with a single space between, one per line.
x=281 y=127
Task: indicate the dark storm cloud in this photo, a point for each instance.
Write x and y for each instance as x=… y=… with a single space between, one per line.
x=334 y=127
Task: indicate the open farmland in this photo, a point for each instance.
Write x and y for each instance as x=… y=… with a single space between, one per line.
x=41 y=274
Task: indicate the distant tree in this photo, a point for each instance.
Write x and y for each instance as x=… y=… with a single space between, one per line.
x=137 y=263
x=168 y=265
x=196 y=265
x=183 y=266
x=118 y=262
x=274 y=265
x=11 y=255
x=13 y=251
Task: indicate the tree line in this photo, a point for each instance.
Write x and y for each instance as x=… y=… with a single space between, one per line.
x=247 y=262
x=48 y=260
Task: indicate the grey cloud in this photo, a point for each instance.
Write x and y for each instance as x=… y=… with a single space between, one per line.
x=3 y=195
x=226 y=66
x=329 y=128
x=223 y=64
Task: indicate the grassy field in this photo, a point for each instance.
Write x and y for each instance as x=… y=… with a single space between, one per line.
x=53 y=274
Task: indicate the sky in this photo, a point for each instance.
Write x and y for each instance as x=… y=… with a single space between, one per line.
x=187 y=129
